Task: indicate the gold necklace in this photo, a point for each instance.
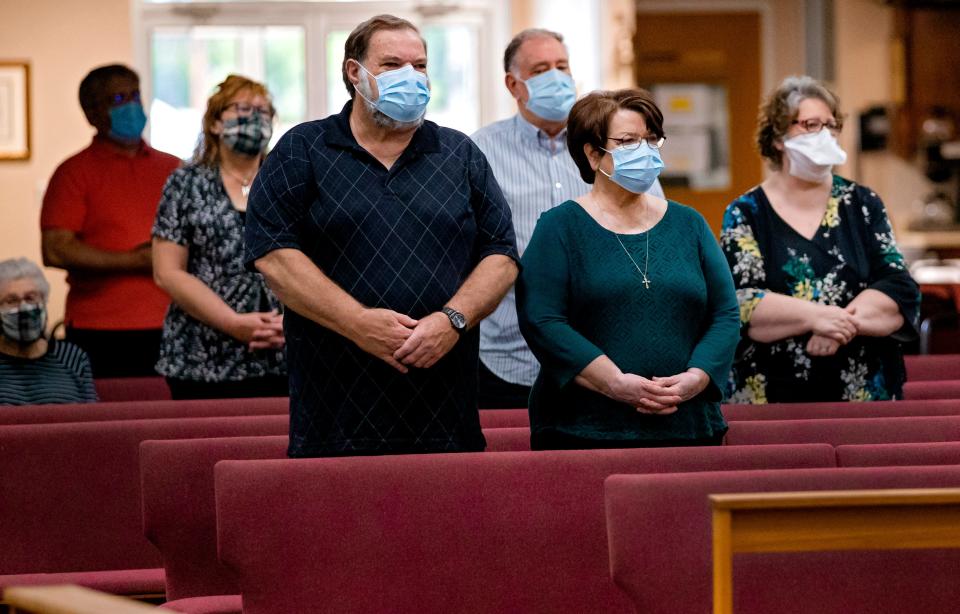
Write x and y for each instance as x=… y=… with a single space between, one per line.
x=646 y=258
x=244 y=183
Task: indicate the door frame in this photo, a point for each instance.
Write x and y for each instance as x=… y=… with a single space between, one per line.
x=761 y=7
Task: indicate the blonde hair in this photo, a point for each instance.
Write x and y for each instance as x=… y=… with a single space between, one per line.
x=207 y=152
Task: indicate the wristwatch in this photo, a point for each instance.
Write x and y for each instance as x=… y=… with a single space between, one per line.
x=457 y=320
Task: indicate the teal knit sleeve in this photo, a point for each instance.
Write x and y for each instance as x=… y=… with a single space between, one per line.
x=543 y=302
x=714 y=352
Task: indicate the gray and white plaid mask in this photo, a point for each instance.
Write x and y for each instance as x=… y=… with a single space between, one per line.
x=24 y=324
x=247 y=135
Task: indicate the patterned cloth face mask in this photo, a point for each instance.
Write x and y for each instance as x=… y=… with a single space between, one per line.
x=403 y=93
x=247 y=135
x=635 y=169
x=552 y=95
x=127 y=121
x=24 y=324
x=813 y=155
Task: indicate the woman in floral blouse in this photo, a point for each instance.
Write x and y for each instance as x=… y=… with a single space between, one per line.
x=223 y=334
x=825 y=297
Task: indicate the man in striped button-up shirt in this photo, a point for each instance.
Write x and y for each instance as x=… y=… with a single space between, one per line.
x=529 y=157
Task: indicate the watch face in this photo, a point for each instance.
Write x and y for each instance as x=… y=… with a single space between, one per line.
x=457 y=319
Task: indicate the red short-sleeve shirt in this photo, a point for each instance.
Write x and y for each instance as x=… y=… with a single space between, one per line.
x=109 y=199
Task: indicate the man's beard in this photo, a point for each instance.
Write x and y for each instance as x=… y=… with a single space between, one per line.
x=381 y=119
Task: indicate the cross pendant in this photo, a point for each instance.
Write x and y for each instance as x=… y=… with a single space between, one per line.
x=646 y=282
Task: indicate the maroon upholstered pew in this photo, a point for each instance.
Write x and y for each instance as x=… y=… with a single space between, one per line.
x=507 y=532
x=132 y=389
x=179 y=516
x=500 y=418
x=70 y=499
x=142 y=410
x=874 y=409
x=881 y=454
x=849 y=431
x=508 y=439
x=196 y=408
x=932 y=389
x=659 y=529
x=932 y=367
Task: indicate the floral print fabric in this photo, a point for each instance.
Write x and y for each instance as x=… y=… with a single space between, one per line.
x=196 y=212
x=852 y=250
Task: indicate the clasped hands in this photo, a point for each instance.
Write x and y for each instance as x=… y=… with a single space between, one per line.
x=402 y=342
x=659 y=395
x=832 y=327
x=260 y=330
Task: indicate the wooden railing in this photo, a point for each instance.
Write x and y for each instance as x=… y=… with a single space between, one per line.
x=827 y=520
x=68 y=599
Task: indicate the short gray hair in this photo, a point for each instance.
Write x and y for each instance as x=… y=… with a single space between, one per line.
x=510 y=55
x=20 y=268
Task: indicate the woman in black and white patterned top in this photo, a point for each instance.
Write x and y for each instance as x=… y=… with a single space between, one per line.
x=223 y=334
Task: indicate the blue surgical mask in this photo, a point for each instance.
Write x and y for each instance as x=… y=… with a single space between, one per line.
x=635 y=170
x=127 y=121
x=552 y=94
x=404 y=93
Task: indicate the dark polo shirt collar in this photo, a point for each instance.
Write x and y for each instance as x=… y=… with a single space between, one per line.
x=425 y=140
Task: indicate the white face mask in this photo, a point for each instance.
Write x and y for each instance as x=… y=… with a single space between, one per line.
x=813 y=155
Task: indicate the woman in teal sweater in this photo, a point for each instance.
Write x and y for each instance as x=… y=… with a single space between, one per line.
x=625 y=298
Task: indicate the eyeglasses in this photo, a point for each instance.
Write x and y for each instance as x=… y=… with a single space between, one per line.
x=630 y=143
x=122 y=98
x=816 y=125
x=245 y=109
x=12 y=301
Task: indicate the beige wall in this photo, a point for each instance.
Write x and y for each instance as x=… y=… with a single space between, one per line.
x=62 y=40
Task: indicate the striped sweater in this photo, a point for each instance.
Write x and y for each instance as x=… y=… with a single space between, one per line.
x=62 y=375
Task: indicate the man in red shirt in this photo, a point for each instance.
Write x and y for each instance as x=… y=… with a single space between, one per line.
x=96 y=220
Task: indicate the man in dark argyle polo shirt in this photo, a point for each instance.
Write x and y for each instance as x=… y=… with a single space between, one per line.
x=388 y=239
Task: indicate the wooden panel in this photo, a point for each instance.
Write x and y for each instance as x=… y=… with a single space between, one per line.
x=925 y=50
x=814 y=530
x=68 y=599
x=830 y=520
x=718 y=49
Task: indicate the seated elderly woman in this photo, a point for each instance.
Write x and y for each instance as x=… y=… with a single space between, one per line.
x=625 y=298
x=34 y=369
x=825 y=297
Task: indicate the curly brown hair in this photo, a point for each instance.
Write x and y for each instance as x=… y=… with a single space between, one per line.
x=589 y=121
x=207 y=152
x=780 y=108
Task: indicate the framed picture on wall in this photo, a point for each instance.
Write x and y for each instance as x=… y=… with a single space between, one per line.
x=14 y=110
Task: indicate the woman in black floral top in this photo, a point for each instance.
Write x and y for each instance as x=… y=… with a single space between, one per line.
x=825 y=296
x=223 y=334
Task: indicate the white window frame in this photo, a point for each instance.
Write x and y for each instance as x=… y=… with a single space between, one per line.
x=318 y=19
